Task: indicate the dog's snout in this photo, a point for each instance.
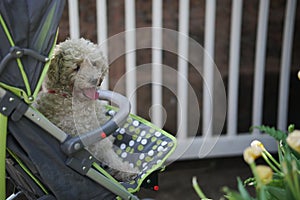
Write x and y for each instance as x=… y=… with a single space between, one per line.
x=94 y=81
x=99 y=82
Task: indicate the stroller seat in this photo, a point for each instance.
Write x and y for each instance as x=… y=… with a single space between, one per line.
x=41 y=160
x=144 y=146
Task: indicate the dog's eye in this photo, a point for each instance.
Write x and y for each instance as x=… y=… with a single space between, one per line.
x=77 y=68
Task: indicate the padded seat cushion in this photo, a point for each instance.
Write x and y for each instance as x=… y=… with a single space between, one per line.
x=143 y=145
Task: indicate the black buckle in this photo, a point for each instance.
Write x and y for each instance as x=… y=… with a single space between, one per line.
x=81 y=161
x=11 y=105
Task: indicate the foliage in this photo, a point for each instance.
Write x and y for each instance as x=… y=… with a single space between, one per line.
x=276 y=134
x=277 y=179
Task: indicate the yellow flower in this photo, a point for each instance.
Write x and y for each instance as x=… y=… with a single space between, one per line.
x=299 y=75
x=293 y=140
x=258 y=144
x=264 y=173
x=251 y=154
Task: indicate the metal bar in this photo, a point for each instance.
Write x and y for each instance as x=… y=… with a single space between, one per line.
x=260 y=58
x=44 y=123
x=13 y=196
x=110 y=185
x=208 y=68
x=41 y=121
x=130 y=53
x=234 y=59
x=182 y=109
x=157 y=115
x=74 y=18
x=287 y=45
x=101 y=7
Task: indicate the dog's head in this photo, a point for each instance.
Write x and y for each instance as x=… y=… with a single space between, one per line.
x=78 y=66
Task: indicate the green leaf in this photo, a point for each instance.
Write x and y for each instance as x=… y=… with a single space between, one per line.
x=276 y=192
x=232 y=195
x=250 y=181
x=277 y=181
x=262 y=193
x=291 y=128
x=244 y=193
x=277 y=134
x=280 y=152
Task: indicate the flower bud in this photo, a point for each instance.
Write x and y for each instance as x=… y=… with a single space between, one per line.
x=251 y=154
x=293 y=140
x=257 y=144
x=264 y=173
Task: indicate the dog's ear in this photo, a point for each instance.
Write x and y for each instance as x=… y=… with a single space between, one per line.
x=54 y=69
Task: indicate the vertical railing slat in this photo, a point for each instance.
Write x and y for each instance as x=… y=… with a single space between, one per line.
x=74 y=19
x=101 y=8
x=260 y=57
x=208 y=68
x=286 y=54
x=130 y=53
x=182 y=109
x=157 y=63
x=234 y=59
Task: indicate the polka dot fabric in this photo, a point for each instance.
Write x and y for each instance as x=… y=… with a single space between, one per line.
x=143 y=145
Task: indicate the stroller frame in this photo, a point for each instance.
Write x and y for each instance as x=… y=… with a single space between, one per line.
x=22 y=70
x=83 y=161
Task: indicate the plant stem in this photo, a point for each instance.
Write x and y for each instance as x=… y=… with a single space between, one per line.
x=257 y=178
x=266 y=158
x=295 y=179
x=289 y=178
x=272 y=158
x=197 y=188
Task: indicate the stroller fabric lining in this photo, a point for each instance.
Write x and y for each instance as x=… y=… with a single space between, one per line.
x=27 y=24
x=143 y=145
x=44 y=152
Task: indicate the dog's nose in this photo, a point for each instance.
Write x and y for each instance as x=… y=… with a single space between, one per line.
x=99 y=82
x=94 y=82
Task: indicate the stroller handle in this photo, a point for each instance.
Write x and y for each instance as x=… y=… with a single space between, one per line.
x=121 y=101
x=74 y=144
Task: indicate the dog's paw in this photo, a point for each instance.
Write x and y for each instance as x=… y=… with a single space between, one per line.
x=124 y=176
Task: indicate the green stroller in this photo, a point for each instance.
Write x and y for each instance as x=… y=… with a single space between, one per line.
x=42 y=161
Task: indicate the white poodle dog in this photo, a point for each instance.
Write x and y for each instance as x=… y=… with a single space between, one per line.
x=69 y=99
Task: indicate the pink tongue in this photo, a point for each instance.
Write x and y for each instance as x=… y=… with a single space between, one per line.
x=91 y=93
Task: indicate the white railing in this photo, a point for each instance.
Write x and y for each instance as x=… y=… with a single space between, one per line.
x=287 y=45
x=230 y=143
x=234 y=59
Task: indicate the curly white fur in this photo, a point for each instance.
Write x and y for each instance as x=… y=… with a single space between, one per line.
x=68 y=99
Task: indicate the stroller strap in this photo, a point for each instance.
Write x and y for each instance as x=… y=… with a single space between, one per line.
x=20 y=54
x=20 y=65
x=17 y=52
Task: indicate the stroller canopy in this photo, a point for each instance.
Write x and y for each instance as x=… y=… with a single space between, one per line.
x=27 y=33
